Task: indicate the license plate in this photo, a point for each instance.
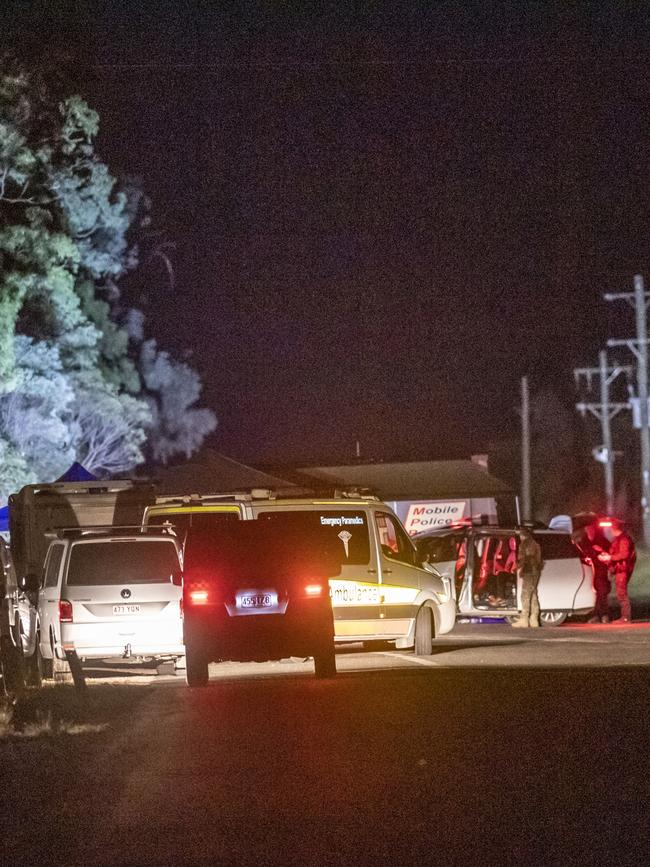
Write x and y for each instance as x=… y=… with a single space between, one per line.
x=126 y=609
x=257 y=600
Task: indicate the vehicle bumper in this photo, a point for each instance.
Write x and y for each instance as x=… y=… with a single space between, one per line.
x=259 y=637
x=102 y=640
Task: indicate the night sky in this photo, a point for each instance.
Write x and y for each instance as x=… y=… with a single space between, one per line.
x=382 y=217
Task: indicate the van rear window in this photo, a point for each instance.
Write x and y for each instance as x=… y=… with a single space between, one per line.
x=183 y=521
x=345 y=532
x=124 y=562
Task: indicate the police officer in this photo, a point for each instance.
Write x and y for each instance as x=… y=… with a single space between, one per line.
x=620 y=560
x=593 y=544
x=529 y=565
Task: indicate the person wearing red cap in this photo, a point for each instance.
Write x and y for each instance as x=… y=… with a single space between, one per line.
x=620 y=560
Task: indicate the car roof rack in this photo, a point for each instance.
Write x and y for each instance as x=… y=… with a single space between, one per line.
x=100 y=530
x=252 y=494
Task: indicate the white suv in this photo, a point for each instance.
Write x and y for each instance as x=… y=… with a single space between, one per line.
x=112 y=593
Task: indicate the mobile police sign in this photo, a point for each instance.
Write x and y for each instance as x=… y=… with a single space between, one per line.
x=428 y=516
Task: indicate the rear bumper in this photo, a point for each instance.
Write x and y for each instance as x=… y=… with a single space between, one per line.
x=301 y=632
x=101 y=640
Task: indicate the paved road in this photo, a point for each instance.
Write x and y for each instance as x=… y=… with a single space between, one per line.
x=468 y=646
x=504 y=748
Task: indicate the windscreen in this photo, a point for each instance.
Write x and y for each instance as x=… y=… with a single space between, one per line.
x=440 y=549
x=123 y=562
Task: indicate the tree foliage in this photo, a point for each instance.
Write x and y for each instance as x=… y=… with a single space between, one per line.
x=76 y=380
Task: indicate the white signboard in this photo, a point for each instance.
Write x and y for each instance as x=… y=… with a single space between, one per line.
x=427 y=516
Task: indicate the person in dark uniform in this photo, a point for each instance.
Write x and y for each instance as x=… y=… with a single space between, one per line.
x=620 y=561
x=592 y=544
x=529 y=565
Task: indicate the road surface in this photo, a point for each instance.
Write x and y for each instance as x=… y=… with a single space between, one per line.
x=503 y=748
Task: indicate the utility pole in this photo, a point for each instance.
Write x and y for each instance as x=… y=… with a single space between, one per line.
x=525 y=451
x=639 y=347
x=604 y=412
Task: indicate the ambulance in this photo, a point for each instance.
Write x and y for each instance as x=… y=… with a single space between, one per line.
x=383 y=591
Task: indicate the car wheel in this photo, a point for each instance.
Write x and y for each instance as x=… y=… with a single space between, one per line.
x=423 y=633
x=196 y=667
x=325 y=662
x=552 y=618
x=34 y=668
x=13 y=674
x=47 y=666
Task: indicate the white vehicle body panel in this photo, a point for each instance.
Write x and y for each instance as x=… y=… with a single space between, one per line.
x=118 y=618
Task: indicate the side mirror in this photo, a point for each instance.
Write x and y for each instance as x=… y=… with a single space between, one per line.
x=177 y=578
x=30 y=583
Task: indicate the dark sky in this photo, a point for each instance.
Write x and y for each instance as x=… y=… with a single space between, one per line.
x=382 y=217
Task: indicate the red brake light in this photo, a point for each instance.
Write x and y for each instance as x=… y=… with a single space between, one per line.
x=313 y=589
x=198 y=597
x=605 y=524
x=65 y=611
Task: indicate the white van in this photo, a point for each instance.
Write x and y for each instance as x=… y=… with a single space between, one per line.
x=108 y=594
x=383 y=591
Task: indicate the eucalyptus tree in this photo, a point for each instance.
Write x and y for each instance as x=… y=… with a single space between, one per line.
x=75 y=382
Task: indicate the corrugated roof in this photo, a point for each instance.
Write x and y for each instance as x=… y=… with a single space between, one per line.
x=417 y=480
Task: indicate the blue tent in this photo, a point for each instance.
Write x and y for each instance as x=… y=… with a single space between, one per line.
x=76 y=473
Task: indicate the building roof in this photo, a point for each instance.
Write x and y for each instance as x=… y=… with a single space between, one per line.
x=417 y=480
x=213 y=474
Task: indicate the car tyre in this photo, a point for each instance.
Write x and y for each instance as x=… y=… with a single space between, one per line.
x=196 y=667
x=34 y=668
x=47 y=665
x=552 y=618
x=13 y=674
x=423 y=633
x=325 y=662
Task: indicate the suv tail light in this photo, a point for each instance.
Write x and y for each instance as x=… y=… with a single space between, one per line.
x=65 y=611
x=198 y=597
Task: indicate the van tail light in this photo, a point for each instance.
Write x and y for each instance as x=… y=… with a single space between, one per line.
x=313 y=590
x=198 y=597
x=65 y=611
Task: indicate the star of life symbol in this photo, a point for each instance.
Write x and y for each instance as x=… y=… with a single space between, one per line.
x=345 y=537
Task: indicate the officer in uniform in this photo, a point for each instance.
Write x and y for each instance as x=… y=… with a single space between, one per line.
x=529 y=566
x=592 y=545
x=620 y=560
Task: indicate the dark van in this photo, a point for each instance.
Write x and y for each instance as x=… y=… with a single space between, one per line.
x=256 y=591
